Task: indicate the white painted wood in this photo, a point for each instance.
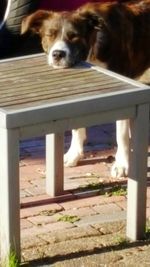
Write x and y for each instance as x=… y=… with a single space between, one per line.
x=22 y=57
x=9 y=193
x=77 y=106
x=76 y=122
x=54 y=164
x=118 y=76
x=136 y=203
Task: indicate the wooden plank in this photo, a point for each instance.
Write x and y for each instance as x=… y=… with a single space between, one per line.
x=38 y=78
x=45 y=68
x=27 y=97
x=51 y=88
x=58 y=77
x=137 y=181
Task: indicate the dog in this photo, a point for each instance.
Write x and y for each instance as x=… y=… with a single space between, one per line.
x=116 y=34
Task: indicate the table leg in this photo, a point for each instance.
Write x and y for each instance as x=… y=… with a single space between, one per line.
x=136 y=203
x=9 y=193
x=54 y=164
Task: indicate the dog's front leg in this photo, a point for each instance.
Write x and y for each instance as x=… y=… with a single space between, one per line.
x=75 y=152
x=121 y=165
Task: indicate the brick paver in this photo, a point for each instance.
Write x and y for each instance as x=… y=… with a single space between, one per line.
x=33 y=211
x=44 y=219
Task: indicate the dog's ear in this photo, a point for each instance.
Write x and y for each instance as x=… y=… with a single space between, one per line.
x=92 y=18
x=34 y=21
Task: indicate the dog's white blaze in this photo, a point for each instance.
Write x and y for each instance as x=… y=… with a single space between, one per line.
x=62 y=33
x=59 y=45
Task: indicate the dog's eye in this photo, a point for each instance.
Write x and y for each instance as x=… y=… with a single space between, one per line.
x=73 y=35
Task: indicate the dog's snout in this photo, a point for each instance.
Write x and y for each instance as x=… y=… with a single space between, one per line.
x=58 y=54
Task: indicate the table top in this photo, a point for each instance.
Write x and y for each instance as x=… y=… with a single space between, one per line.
x=29 y=84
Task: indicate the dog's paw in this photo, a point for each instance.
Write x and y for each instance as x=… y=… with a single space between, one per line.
x=119 y=170
x=71 y=158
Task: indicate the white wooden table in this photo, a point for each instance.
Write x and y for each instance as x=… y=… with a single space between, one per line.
x=37 y=100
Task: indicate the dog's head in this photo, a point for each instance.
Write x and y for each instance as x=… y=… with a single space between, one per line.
x=66 y=36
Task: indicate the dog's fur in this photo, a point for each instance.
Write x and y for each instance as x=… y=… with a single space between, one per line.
x=117 y=34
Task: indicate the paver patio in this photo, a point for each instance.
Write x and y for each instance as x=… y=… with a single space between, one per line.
x=41 y=223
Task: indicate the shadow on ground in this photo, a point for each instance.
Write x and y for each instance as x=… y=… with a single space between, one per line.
x=84 y=256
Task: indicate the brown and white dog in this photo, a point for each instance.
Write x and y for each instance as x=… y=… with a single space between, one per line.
x=117 y=34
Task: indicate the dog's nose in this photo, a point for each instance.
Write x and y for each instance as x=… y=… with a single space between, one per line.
x=58 y=54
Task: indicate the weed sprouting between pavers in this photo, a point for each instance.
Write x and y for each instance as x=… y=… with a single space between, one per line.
x=92 y=186
x=147 y=229
x=104 y=189
x=116 y=191
x=68 y=218
x=121 y=240
x=10 y=261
